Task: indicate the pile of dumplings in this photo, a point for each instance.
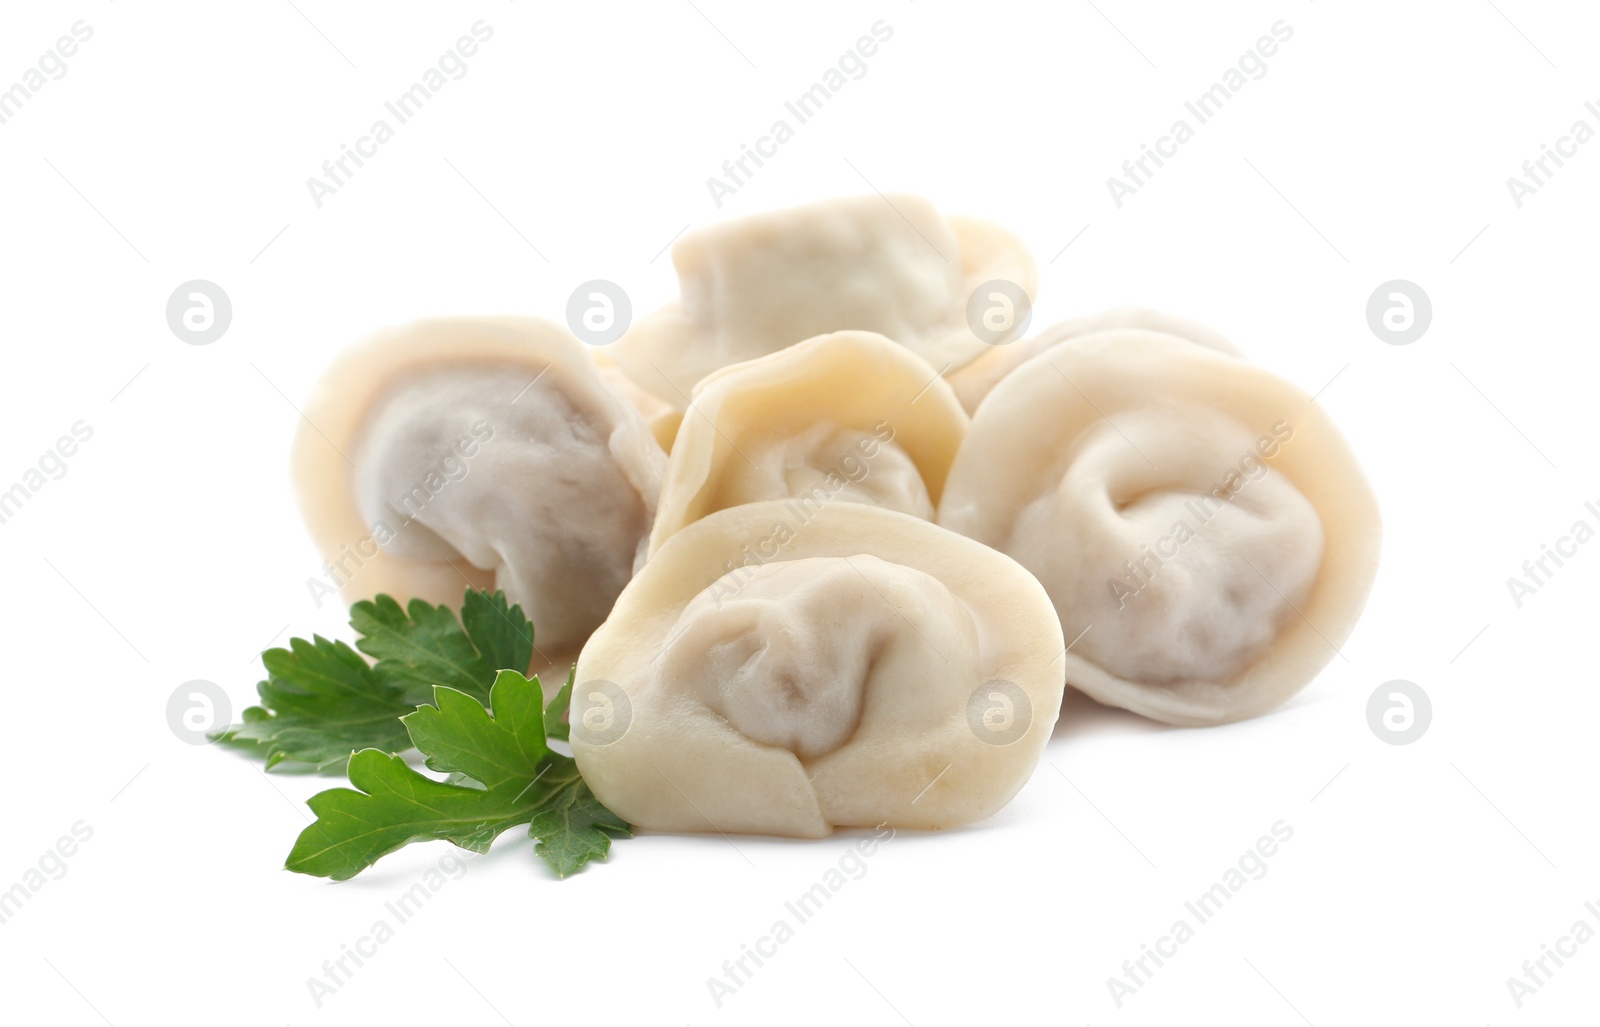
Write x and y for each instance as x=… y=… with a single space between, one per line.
x=825 y=553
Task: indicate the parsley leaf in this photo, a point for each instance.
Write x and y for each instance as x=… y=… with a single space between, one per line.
x=555 y=715
x=423 y=645
x=322 y=700
x=504 y=774
x=572 y=834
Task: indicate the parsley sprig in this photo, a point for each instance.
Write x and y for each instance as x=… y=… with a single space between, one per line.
x=322 y=700
x=503 y=775
x=454 y=690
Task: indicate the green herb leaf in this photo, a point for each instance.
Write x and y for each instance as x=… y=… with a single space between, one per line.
x=322 y=701
x=503 y=775
x=571 y=835
x=459 y=737
x=424 y=645
x=555 y=715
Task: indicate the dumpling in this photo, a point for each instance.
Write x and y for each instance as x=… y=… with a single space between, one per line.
x=751 y=286
x=769 y=674
x=1201 y=526
x=848 y=416
x=973 y=381
x=662 y=417
x=484 y=452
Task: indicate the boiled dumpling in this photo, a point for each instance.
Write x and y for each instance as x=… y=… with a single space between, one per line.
x=1201 y=526
x=662 y=417
x=848 y=416
x=751 y=286
x=770 y=674
x=973 y=381
x=483 y=452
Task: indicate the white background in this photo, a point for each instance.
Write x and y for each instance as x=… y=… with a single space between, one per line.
x=1376 y=147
